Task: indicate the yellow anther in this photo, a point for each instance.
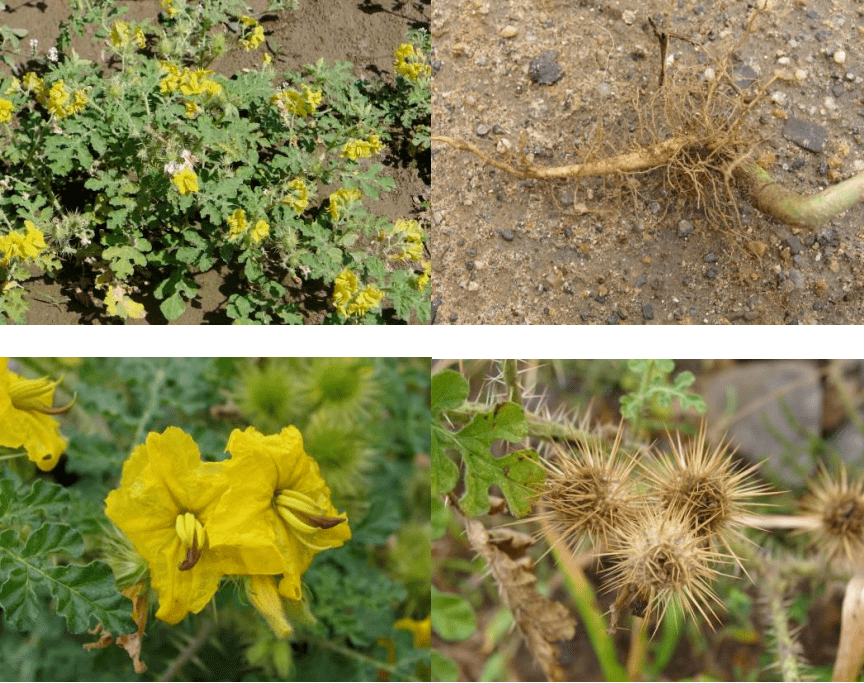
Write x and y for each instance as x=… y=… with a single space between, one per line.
x=293 y=521
x=190 y=530
x=297 y=501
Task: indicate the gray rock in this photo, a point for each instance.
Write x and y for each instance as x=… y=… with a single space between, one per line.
x=710 y=257
x=684 y=228
x=746 y=398
x=807 y=135
x=648 y=312
x=795 y=246
x=482 y=130
x=545 y=70
x=506 y=235
x=745 y=75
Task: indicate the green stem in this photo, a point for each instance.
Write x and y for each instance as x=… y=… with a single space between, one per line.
x=348 y=652
x=795 y=209
x=158 y=381
x=11 y=456
x=643 y=390
x=511 y=379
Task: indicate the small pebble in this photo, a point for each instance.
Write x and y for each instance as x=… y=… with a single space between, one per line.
x=840 y=57
x=684 y=228
x=711 y=273
x=628 y=16
x=710 y=257
x=612 y=319
x=641 y=280
x=648 y=312
x=509 y=32
x=506 y=235
x=604 y=89
x=454 y=317
x=482 y=130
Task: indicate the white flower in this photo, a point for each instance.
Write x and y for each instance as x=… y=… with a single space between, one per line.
x=34 y=44
x=52 y=54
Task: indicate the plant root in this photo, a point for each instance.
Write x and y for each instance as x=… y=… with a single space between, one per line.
x=763 y=192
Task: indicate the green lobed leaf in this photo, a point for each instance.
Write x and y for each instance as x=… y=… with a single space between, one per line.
x=517 y=475
x=443 y=668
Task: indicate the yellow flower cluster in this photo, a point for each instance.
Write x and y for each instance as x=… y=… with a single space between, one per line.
x=422 y=279
x=253 y=34
x=56 y=98
x=261 y=515
x=412 y=248
x=238 y=225
x=188 y=82
x=296 y=103
x=342 y=199
x=168 y=6
x=362 y=149
x=185 y=180
x=5 y=110
x=22 y=246
x=298 y=197
x=410 y=63
x=120 y=35
x=350 y=300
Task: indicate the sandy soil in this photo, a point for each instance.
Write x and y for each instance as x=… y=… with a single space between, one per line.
x=513 y=251
x=359 y=31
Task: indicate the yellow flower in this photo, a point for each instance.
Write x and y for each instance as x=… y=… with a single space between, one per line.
x=344 y=287
x=25 y=417
x=421 y=280
x=362 y=149
x=298 y=199
x=5 y=110
x=266 y=59
x=192 y=110
x=120 y=34
x=16 y=245
x=13 y=88
x=412 y=249
x=278 y=506
x=168 y=6
x=56 y=98
x=164 y=505
x=297 y=103
x=410 y=63
x=365 y=300
x=185 y=180
x=260 y=231
x=341 y=199
x=139 y=38
x=252 y=40
x=33 y=82
x=237 y=223
x=422 y=630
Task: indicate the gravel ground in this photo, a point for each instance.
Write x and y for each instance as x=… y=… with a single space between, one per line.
x=514 y=251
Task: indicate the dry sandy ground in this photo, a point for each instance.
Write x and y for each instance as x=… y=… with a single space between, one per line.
x=513 y=251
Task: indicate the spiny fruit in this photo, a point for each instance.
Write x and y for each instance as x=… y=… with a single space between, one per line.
x=658 y=558
x=588 y=492
x=703 y=484
x=837 y=505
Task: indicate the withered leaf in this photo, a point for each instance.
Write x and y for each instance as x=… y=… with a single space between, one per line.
x=543 y=622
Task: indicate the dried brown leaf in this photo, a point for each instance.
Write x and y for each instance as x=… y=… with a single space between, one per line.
x=543 y=622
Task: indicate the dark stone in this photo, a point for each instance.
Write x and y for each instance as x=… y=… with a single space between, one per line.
x=545 y=70
x=454 y=317
x=798 y=163
x=795 y=246
x=641 y=280
x=612 y=319
x=711 y=273
x=838 y=89
x=648 y=312
x=506 y=235
x=807 y=135
x=710 y=257
x=745 y=75
x=469 y=265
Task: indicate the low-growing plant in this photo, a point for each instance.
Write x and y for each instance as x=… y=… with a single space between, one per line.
x=150 y=167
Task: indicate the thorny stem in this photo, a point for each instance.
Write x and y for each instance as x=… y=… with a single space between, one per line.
x=189 y=651
x=784 y=642
x=638 y=647
x=763 y=192
x=511 y=379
